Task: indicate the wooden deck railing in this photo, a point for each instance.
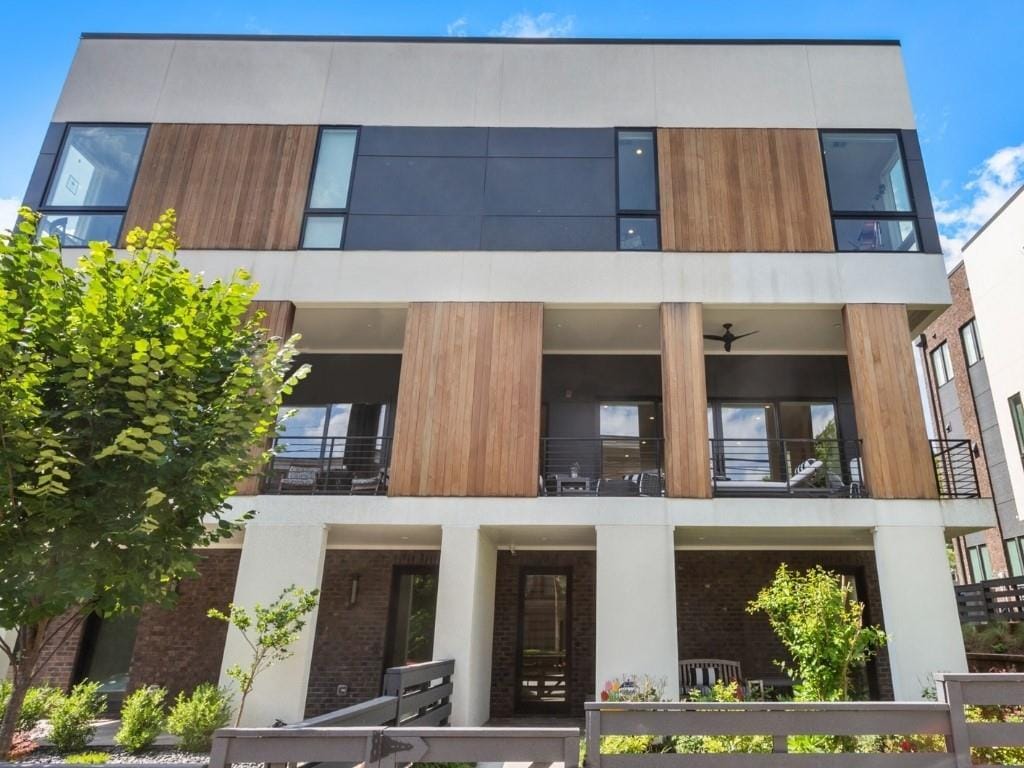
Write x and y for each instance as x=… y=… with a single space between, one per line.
x=991 y=600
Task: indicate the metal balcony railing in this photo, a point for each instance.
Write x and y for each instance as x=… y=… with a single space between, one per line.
x=956 y=474
x=601 y=466
x=328 y=465
x=816 y=468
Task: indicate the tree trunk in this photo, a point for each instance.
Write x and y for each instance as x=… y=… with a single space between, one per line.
x=27 y=648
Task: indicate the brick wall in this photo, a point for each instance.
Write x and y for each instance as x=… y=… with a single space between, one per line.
x=59 y=658
x=506 y=603
x=714 y=587
x=181 y=647
x=350 y=639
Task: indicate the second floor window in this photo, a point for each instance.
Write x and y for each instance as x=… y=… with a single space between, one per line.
x=88 y=192
x=981 y=564
x=1015 y=555
x=327 y=209
x=942 y=364
x=872 y=205
x=1017 y=415
x=637 y=190
x=971 y=342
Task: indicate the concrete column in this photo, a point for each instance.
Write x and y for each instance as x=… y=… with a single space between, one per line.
x=275 y=557
x=9 y=636
x=636 y=604
x=919 y=607
x=464 y=626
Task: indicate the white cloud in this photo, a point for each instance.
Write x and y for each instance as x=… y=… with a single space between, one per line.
x=540 y=25
x=991 y=185
x=9 y=211
x=458 y=28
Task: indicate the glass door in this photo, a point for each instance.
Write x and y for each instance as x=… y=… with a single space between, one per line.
x=750 y=451
x=413 y=610
x=542 y=665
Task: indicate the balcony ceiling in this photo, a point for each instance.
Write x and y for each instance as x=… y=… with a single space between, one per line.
x=350 y=329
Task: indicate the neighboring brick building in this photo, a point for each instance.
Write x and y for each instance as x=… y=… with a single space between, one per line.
x=961 y=404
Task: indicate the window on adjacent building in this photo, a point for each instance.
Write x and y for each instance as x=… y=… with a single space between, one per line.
x=327 y=209
x=972 y=342
x=981 y=564
x=106 y=654
x=637 y=184
x=1017 y=415
x=88 y=192
x=942 y=364
x=1015 y=555
x=872 y=207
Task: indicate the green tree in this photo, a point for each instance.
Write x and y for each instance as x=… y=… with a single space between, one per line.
x=270 y=631
x=815 y=616
x=133 y=398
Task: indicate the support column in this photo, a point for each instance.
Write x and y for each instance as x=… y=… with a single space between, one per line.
x=684 y=402
x=890 y=420
x=464 y=624
x=278 y=318
x=9 y=636
x=636 y=604
x=275 y=557
x=919 y=607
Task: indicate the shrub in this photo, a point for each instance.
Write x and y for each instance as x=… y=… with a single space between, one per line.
x=5 y=695
x=193 y=719
x=88 y=758
x=142 y=718
x=39 y=703
x=72 y=716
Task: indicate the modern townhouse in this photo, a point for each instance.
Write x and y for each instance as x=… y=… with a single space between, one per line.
x=518 y=447
x=960 y=398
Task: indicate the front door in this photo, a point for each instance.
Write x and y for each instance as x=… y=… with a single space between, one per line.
x=413 y=609
x=543 y=660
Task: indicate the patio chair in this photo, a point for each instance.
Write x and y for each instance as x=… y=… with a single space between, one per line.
x=702 y=674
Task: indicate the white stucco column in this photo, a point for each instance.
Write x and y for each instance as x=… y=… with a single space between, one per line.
x=9 y=636
x=275 y=557
x=636 y=604
x=919 y=607
x=464 y=627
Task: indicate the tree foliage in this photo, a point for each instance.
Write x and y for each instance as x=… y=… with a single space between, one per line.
x=270 y=632
x=815 y=616
x=132 y=396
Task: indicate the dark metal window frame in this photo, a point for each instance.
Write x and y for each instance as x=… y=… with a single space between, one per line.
x=397 y=572
x=87 y=210
x=983 y=554
x=941 y=350
x=631 y=213
x=1017 y=424
x=519 y=706
x=843 y=215
x=308 y=211
x=977 y=343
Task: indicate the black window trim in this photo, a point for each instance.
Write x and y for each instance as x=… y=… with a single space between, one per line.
x=308 y=211
x=947 y=370
x=977 y=344
x=835 y=215
x=630 y=213
x=85 y=210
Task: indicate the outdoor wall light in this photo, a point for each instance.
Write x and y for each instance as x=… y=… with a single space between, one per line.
x=353 y=594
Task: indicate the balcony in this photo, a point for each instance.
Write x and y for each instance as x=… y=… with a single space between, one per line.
x=956 y=474
x=328 y=465
x=610 y=466
x=815 y=468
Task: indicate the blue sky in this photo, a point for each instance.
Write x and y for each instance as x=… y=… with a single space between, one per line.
x=963 y=61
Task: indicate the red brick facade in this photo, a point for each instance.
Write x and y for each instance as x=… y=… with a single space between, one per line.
x=946 y=328
x=583 y=599
x=714 y=587
x=59 y=659
x=351 y=639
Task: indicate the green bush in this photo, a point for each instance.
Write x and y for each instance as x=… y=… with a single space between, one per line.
x=994 y=637
x=39 y=703
x=193 y=719
x=142 y=719
x=5 y=695
x=72 y=716
x=88 y=758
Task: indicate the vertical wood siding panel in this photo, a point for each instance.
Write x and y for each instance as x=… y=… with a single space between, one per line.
x=742 y=189
x=890 y=419
x=684 y=395
x=233 y=186
x=469 y=401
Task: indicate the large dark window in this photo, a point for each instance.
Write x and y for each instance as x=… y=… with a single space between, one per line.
x=1017 y=414
x=972 y=342
x=106 y=654
x=543 y=662
x=324 y=225
x=637 y=173
x=872 y=205
x=91 y=184
x=1015 y=555
x=413 y=610
x=942 y=364
x=980 y=563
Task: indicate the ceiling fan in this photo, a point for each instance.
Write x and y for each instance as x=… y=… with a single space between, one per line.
x=728 y=337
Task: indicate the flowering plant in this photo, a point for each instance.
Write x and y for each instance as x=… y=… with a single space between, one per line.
x=633 y=688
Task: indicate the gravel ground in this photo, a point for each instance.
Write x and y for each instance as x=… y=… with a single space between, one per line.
x=47 y=756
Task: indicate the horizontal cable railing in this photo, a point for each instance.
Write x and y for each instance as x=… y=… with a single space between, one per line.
x=956 y=474
x=991 y=600
x=601 y=466
x=759 y=467
x=328 y=465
